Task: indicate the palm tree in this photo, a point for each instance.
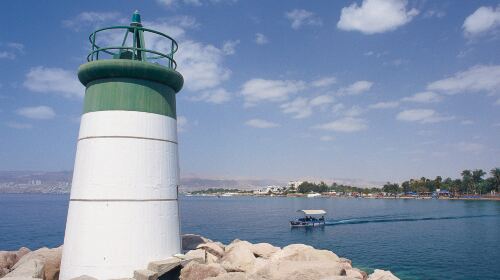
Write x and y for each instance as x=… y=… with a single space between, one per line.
x=477 y=177
x=466 y=179
x=495 y=174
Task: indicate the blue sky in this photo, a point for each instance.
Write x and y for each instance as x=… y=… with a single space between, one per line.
x=372 y=90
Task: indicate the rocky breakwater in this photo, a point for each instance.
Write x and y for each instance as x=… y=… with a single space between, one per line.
x=207 y=259
x=242 y=260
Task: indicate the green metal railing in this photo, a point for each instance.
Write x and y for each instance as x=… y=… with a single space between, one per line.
x=135 y=52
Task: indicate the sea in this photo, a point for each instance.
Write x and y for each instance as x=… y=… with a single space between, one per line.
x=415 y=239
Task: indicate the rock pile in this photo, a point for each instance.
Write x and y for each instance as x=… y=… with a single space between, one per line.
x=25 y=264
x=206 y=259
x=242 y=260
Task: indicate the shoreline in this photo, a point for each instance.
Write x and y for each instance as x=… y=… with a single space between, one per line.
x=497 y=198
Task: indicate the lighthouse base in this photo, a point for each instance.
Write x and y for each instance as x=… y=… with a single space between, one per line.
x=135 y=239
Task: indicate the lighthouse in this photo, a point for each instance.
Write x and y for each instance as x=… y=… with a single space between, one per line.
x=123 y=210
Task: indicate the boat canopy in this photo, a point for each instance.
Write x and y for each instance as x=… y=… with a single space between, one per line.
x=312 y=212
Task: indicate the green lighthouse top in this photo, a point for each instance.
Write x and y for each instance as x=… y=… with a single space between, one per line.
x=128 y=42
x=136 y=18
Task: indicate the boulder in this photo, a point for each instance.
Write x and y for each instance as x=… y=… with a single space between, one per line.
x=3 y=272
x=301 y=252
x=264 y=250
x=356 y=273
x=239 y=243
x=379 y=274
x=31 y=268
x=298 y=270
x=230 y=276
x=84 y=277
x=42 y=263
x=145 y=274
x=191 y=241
x=238 y=258
x=344 y=260
x=164 y=266
x=198 y=271
x=213 y=248
x=201 y=256
x=9 y=258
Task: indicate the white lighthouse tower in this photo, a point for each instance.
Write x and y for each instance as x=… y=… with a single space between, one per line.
x=123 y=210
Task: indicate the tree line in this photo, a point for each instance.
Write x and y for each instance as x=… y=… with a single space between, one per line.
x=471 y=182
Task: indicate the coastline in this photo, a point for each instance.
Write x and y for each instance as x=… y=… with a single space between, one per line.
x=482 y=198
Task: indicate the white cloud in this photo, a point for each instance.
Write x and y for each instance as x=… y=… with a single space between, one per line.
x=54 y=80
x=344 y=125
x=327 y=138
x=475 y=79
x=356 y=88
x=182 y=123
x=197 y=3
x=466 y=122
x=38 y=112
x=201 y=65
x=12 y=50
x=375 y=16
x=300 y=17
x=469 y=147
x=497 y=102
x=434 y=14
x=422 y=116
x=354 y=111
x=424 y=97
x=92 y=19
x=7 y=55
x=18 y=125
x=260 y=123
x=229 y=47
x=483 y=20
x=257 y=90
x=384 y=105
x=324 y=82
x=338 y=107
x=303 y=107
x=261 y=39
x=215 y=96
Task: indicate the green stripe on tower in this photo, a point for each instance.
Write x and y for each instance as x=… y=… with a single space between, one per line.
x=122 y=84
x=130 y=95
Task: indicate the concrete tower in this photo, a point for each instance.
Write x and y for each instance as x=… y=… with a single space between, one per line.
x=123 y=210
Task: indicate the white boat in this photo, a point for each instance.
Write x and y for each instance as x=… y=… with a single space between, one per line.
x=313 y=194
x=312 y=218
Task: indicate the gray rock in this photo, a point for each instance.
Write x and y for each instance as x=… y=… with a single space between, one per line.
x=301 y=252
x=164 y=266
x=264 y=250
x=230 y=276
x=198 y=271
x=84 y=277
x=298 y=270
x=31 y=268
x=379 y=274
x=238 y=258
x=213 y=248
x=145 y=274
x=191 y=241
x=356 y=273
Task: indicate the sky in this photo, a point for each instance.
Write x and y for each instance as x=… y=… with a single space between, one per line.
x=375 y=90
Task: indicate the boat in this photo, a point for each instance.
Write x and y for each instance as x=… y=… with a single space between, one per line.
x=312 y=194
x=312 y=218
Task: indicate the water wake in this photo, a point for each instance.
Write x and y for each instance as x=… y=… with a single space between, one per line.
x=396 y=219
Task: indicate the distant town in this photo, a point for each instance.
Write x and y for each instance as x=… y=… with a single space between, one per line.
x=473 y=184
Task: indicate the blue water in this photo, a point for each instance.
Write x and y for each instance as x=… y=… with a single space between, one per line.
x=416 y=239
